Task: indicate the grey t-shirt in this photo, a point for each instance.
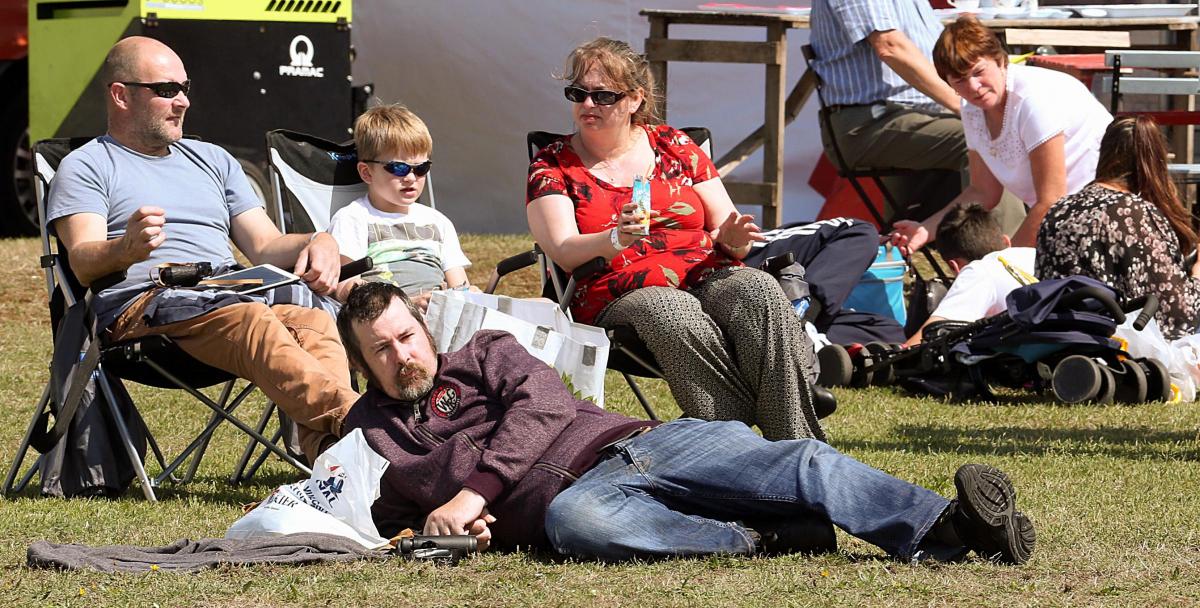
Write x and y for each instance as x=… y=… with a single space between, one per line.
x=200 y=186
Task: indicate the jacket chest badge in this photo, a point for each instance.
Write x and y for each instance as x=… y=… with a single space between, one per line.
x=445 y=401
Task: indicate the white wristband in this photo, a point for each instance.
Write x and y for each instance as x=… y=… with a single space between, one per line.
x=614 y=236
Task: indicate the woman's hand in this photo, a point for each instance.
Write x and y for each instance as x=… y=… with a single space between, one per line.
x=629 y=223
x=737 y=232
x=909 y=235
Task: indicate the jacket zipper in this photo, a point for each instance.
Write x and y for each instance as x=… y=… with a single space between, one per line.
x=428 y=435
x=556 y=469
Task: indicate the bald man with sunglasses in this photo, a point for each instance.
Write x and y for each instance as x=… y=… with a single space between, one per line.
x=140 y=196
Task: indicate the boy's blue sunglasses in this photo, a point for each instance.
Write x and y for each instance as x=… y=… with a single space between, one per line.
x=402 y=169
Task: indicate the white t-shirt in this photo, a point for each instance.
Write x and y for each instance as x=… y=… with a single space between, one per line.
x=412 y=250
x=981 y=287
x=1040 y=104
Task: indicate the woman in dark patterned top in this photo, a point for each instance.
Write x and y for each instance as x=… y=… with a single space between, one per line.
x=725 y=336
x=1128 y=229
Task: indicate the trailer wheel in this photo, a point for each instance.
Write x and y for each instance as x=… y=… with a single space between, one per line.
x=261 y=186
x=16 y=191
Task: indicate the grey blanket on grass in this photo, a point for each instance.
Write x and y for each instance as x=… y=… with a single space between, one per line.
x=184 y=555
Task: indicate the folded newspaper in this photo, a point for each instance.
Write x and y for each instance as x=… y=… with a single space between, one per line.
x=578 y=352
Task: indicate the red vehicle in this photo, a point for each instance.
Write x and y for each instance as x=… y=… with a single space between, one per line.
x=16 y=202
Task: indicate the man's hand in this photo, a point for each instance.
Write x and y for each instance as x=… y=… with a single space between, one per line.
x=319 y=264
x=143 y=234
x=909 y=235
x=456 y=516
x=479 y=529
x=422 y=299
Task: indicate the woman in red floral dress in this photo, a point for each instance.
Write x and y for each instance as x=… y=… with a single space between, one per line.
x=726 y=338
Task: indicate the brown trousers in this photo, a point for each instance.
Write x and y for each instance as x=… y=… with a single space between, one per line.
x=293 y=354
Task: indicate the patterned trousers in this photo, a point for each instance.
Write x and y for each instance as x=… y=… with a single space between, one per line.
x=730 y=349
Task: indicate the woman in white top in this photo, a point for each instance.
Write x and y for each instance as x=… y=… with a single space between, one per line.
x=1032 y=131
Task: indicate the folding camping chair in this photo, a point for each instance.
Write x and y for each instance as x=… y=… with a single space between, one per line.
x=152 y=360
x=312 y=178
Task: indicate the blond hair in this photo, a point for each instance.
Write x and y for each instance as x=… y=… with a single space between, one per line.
x=627 y=70
x=391 y=128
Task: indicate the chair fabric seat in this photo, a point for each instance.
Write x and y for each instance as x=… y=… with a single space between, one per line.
x=126 y=359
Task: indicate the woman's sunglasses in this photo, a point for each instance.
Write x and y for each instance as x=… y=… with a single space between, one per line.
x=599 y=97
x=402 y=169
x=166 y=90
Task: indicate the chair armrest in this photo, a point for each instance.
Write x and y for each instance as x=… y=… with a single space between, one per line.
x=593 y=267
x=357 y=267
x=510 y=265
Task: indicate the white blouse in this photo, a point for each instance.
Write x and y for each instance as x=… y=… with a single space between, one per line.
x=1040 y=104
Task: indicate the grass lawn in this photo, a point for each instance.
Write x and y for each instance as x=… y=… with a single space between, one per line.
x=1111 y=489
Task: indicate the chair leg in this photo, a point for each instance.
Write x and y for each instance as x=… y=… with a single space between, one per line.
x=245 y=428
x=262 y=457
x=239 y=471
x=195 y=464
x=637 y=392
x=23 y=450
x=200 y=443
x=126 y=441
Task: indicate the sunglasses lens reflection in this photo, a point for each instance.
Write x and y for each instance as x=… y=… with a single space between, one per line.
x=401 y=169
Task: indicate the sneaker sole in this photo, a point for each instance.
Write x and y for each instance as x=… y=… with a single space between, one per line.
x=987 y=495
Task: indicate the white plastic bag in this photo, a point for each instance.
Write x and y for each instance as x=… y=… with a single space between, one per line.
x=1179 y=357
x=578 y=352
x=336 y=499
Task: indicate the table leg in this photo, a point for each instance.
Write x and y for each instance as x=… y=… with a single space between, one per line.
x=773 y=123
x=658 y=69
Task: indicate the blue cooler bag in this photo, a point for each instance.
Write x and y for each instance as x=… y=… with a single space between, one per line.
x=881 y=288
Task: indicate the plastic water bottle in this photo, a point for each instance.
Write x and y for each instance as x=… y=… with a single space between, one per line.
x=800 y=306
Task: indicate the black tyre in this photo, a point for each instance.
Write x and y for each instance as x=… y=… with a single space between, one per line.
x=1076 y=379
x=16 y=159
x=1158 y=380
x=1131 y=383
x=261 y=186
x=836 y=366
x=883 y=376
x=1108 y=386
x=860 y=377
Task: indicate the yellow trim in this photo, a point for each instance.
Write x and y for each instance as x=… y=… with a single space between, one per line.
x=250 y=10
x=1021 y=276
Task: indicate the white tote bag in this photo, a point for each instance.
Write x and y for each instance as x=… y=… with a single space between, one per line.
x=579 y=353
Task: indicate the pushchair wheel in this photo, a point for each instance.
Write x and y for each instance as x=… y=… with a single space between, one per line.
x=1108 y=386
x=1131 y=383
x=1158 y=380
x=836 y=366
x=882 y=376
x=860 y=377
x=1076 y=379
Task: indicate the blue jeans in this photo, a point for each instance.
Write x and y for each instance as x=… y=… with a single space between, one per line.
x=678 y=489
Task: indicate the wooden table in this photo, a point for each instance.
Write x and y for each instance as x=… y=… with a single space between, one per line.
x=779 y=111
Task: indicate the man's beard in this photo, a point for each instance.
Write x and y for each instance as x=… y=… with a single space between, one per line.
x=412 y=381
x=157 y=132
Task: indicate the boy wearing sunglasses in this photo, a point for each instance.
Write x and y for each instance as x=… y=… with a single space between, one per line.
x=413 y=246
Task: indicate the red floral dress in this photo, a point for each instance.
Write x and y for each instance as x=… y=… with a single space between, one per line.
x=679 y=252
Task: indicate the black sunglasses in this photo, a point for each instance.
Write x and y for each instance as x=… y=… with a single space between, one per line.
x=599 y=97
x=166 y=90
x=402 y=169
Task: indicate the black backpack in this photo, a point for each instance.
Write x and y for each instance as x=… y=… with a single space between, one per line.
x=82 y=453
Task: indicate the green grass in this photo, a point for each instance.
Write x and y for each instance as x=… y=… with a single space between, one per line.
x=1111 y=489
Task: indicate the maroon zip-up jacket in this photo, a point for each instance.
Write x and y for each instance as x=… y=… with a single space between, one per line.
x=497 y=421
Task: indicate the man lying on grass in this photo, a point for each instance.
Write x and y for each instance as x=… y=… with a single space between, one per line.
x=488 y=441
